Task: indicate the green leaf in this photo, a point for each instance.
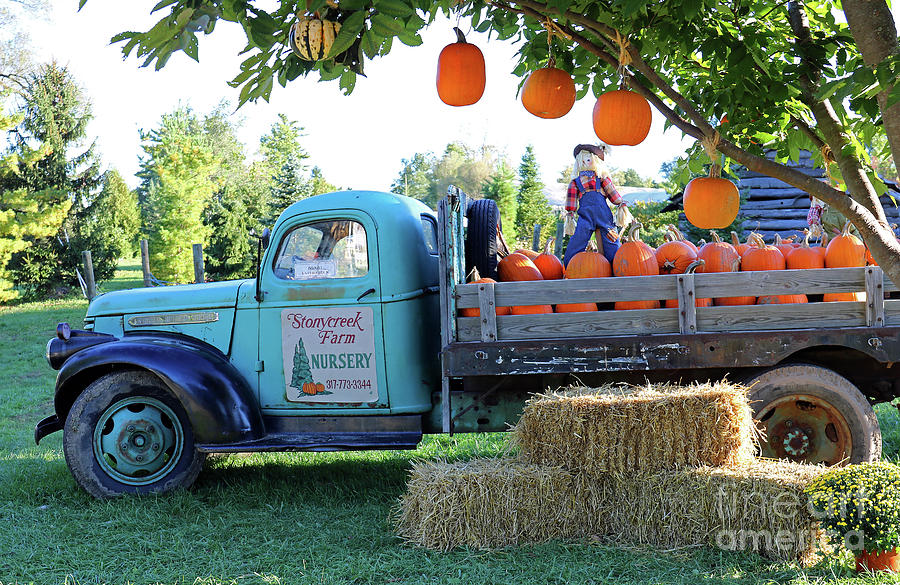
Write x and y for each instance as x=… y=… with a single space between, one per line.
x=348 y=81
x=410 y=39
x=353 y=5
x=396 y=8
x=894 y=96
x=370 y=44
x=350 y=29
x=385 y=25
x=162 y=4
x=192 y=47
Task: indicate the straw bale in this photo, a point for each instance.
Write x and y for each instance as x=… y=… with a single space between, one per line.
x=759 y=506
x=489 y=504
x=484 y=504
x=620 y=429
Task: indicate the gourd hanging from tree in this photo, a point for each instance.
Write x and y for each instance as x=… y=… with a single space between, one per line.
x=311 y=37
x=711 y=202
x=549 y=92
x=622 y=117
x=460 y=72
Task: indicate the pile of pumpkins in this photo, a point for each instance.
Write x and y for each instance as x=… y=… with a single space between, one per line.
x=677 y=255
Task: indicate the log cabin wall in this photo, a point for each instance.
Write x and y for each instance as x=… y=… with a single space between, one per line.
x=776 y=207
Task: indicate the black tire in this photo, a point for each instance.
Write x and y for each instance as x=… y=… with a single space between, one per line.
x=812 y=414
x=481 y=237
x=146 y=444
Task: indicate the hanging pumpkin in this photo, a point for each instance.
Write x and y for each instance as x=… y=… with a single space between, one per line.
x=762 y=256
x=711 y=202
x=845 y=250
x=718 y=256
x=622 y=117
x=694 y=266
x=550 y=266
x=588 y=264
x=634 y=257
x=804 y=257
x=517 y=267
x=460 y=73
x=674 y=255
x=311 y=37
x=549 y=92
x=782 y=299
x=576 y=308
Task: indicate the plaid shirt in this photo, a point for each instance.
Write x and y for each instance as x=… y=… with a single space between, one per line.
x=590 y=184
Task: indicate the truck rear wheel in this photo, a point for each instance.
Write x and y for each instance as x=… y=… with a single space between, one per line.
x=125 y=434
x=811 y=414
x=481 y=237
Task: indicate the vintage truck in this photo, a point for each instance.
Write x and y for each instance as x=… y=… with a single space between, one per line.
x=349 y=338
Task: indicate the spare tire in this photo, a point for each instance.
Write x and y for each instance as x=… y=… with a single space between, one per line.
x=481 y=237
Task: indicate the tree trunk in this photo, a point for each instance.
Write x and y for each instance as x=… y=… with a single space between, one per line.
x=875 y=33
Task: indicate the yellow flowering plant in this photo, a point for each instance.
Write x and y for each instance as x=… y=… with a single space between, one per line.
x=859 y=506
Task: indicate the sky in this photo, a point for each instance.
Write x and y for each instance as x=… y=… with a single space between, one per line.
x=358 y=140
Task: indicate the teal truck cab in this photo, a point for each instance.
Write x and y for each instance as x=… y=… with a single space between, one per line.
x=350 y=338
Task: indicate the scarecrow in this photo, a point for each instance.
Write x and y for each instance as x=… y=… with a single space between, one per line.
x=587 y=194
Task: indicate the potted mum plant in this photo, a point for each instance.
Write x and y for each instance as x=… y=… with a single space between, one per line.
x=859 y=508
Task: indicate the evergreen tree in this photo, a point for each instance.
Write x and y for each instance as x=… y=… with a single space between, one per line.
x=179 y=171
x=416 y=179
x=282 y=142
x=533 y=207
x=300 y=373
x=501 y=189
x=25 y=214
x=288 y=186
x=318 y=184
x=228 y=257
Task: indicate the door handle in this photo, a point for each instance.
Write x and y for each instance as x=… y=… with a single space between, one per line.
x=368 y=292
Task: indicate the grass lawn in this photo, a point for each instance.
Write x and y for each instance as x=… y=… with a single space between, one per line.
x=283 y=518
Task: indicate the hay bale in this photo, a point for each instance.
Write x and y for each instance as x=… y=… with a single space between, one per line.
x=484 y=504
x=759 y=506
x=489 y=504
x=621 y=429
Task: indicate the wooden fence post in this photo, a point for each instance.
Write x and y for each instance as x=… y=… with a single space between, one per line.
x=557 y=247
x=198 y=263
x=145 y=263
x=536 y=240
x=89 y=274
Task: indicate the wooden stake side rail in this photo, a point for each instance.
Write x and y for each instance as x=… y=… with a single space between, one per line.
x=875 y=312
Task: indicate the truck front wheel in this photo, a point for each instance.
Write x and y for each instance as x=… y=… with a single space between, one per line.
x=811 y=414
x=126 y=434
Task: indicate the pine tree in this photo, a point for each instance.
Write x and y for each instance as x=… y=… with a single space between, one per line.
x=318 y=184
x=501 y=189
x=416 y=179
x=301 y=373
x=288 y=186
x=533 y=207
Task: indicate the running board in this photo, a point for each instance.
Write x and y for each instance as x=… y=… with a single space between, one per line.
x=349 y=441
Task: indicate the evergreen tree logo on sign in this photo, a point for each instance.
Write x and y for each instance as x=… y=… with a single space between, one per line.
x=329 y=355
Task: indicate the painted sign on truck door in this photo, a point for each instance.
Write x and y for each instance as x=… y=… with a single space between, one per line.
x=329 y=354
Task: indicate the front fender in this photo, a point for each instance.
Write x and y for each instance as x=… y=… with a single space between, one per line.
x=219 y=402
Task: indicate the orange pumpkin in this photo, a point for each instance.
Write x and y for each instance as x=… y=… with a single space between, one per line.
x=761 y=256
x=475 y=311
x=781 y=299
x=674 y=255
x=309 y=388
x=549 y=92
x=734 y=301
x=460 y=73
x=576 y=307
x=718 y=256
x=526 y=252
x=517 y=267
x=680 y=237
x=784 y=245
x=804 y=257
x=870 y=260
x=634 y=257
x=630 y=305
x=550 y=266
x=320 y=387
x=738 y=246
x=588 y=264
x=838 y=297
x=711 y=202
x=531 y=309
x=622 y=117
x=845 y=250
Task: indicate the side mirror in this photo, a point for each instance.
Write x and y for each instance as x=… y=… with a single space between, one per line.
x=265 y=237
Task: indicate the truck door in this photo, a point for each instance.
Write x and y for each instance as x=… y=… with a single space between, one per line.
x=320 y=335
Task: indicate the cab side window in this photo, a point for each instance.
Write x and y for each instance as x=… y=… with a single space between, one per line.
x=324 y=249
